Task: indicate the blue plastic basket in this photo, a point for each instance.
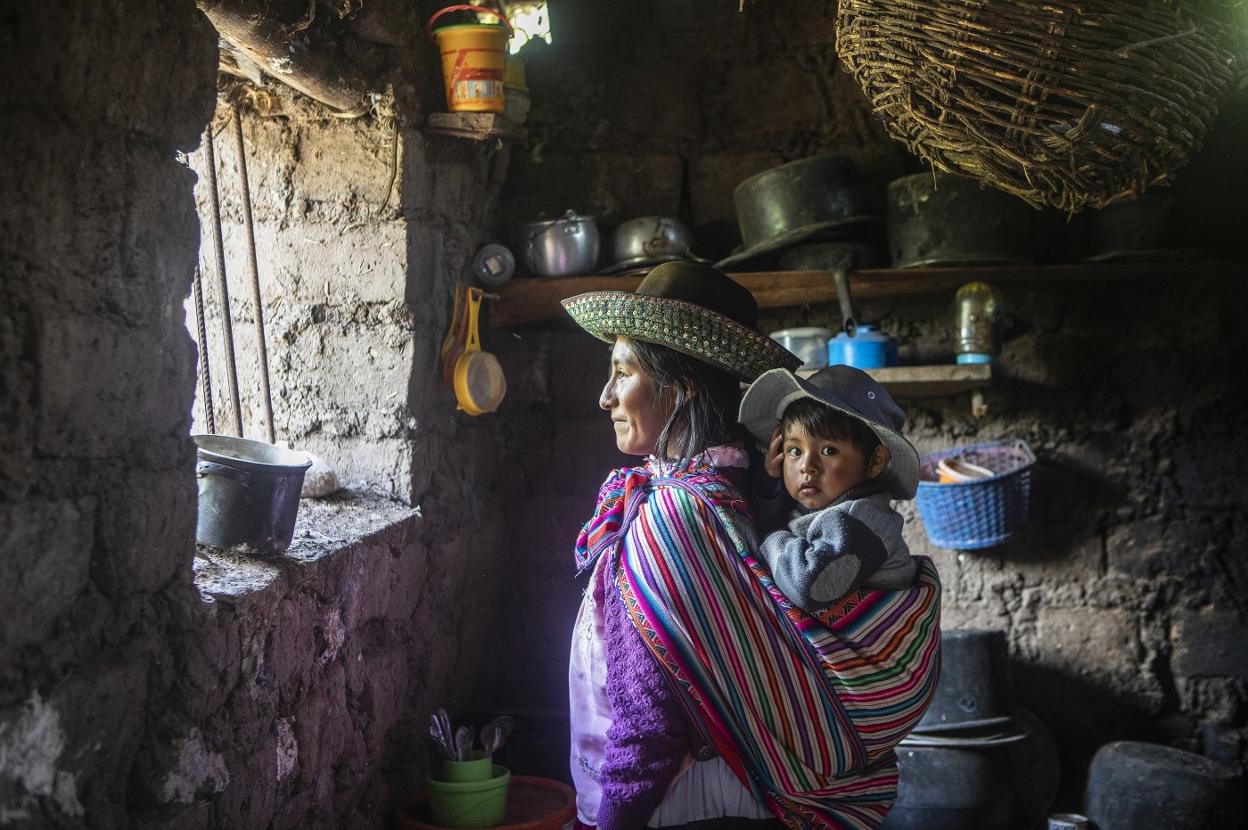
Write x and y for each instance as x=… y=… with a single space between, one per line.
x=977 y=514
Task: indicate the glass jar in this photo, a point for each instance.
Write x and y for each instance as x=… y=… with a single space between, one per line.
x=978 y=310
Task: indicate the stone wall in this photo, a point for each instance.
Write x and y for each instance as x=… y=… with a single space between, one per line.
x=1123 y=599
x=143 y=684
x=97 y=502
x=356 y=285
x=304 y=684
x=332 y=258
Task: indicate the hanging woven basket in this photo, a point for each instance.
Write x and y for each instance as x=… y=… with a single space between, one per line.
x=1069 y=103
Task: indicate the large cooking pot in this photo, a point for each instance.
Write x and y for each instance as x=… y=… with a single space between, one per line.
x=560 y=247
x=248 y=492
x=974 y=689
x=952 y=220
x=803 y=201
x=1133 y=784
x=824 y=256
x=1000 y=780
x=1139 y=229
x=951 y=788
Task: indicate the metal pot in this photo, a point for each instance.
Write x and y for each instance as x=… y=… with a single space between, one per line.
x=803 y=201
x=823 y=256
x=950 y=788
x=952 y=220
x=974 y=689
x=248 y=492
x=1133 y=784
x=650 y=239
x=1139 y=229
x=560 y=247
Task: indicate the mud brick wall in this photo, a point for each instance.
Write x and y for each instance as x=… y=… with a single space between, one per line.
x=1123 y=602
x=143 y=684
x=356 y=286
x=97 y=505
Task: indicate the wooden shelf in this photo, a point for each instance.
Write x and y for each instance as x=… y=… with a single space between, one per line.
x=477 y=126
x=530 y=300
x=929 y=381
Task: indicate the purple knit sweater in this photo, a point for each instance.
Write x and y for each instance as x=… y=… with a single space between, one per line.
x=650 y=737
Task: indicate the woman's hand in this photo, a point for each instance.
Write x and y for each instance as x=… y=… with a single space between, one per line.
x=773 y=459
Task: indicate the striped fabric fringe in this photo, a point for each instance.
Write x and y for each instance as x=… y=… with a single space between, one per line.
x=806 y=711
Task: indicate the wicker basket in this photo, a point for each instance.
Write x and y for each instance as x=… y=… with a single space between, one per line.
x=977 y=514
x=1068 y=103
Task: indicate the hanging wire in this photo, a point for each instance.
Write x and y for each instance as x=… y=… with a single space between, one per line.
x=223 y=289
x=205 y=379
x=265 y=394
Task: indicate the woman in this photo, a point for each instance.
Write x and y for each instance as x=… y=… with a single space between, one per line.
x=698 y=693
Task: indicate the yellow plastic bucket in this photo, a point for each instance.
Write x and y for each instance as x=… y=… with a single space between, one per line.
x=474 y=56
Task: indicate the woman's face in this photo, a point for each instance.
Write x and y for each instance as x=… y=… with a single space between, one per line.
x=638 y=407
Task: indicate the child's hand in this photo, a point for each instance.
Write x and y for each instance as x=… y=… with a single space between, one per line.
x=773 y=459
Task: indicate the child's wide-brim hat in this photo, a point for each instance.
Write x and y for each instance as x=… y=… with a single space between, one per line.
x=689 y=307
x=847 y=390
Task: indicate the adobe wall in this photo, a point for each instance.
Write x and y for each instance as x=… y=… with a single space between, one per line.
x=1123 y=601
x=144 y=683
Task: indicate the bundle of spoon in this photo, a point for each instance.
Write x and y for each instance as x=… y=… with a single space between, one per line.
x=456 y=745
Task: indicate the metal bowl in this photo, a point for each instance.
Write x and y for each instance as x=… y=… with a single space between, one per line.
x=650 y=238
x=560 y=247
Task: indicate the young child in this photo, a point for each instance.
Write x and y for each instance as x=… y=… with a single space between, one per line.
x=835 y=442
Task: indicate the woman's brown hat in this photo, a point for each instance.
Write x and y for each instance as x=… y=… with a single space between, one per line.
x=689 y=307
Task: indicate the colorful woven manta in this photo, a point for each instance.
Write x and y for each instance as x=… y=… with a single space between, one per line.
x=806 y=711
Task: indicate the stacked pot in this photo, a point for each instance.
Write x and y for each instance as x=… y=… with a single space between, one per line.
x=1133 y=784
x=975 y=760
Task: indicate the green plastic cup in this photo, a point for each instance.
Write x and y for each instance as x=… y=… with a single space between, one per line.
x=480 y=767
x=470 y=803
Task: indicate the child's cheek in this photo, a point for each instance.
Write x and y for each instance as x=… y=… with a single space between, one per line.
x=790 y=474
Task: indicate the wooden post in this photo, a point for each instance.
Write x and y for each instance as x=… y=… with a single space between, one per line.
x=337 y=84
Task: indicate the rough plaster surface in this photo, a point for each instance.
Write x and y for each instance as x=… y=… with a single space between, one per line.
x=31 y=744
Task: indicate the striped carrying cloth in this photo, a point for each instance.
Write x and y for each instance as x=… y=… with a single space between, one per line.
x=806 y=711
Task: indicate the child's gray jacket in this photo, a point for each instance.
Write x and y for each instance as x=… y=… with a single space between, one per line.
x=853 y=543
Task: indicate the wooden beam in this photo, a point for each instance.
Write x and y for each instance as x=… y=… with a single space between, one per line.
x=929 y=381
x=335 y=83
x=532 y=300
x=478 y=126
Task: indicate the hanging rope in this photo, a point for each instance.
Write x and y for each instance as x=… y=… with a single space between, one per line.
x=205 y=380
x=266 y=396
x=223 y=288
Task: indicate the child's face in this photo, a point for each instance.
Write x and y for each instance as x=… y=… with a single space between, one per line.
x=818 y=471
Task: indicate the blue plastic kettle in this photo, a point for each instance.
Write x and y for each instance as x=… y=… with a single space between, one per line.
x=867 y=349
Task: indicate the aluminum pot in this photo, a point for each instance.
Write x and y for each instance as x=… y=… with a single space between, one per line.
x=248 y=492
x=649 y=240
x=560 y=247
